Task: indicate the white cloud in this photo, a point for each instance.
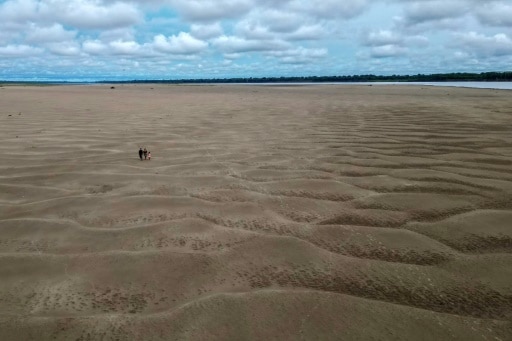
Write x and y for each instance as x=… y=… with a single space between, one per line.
x=311 y=32
x=94 y=47
x=391 y=44
x=250 y=29
x=434 y=10
x=495 y=14
x=49 y=34
x=211 y=10
x=20 y=11
x=266 y=25
x=92 y=15
x=282 y=21
x=232 y=44
x=387 y=51
x=124 y=33
x=19 y=51
x=232 y=56
x=263 y=36
x=81 y=14
x=64 y=49
x=485 y=46
x=330 y=9
x=299 y=55
x=382 y=37
x=206 y=31
x=417 y=41
x=124 y=47
x=183 y=43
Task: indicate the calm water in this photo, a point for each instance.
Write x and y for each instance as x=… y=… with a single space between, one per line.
x=479 y=85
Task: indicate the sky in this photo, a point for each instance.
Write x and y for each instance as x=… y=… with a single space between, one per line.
x=88 y=40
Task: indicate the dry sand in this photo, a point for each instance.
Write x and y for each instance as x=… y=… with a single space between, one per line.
x=267 y=212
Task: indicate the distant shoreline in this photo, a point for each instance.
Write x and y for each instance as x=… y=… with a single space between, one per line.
x=355 y=79
x=503 y=85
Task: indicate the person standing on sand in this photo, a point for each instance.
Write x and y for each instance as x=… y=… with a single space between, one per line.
x=145 y=154
x=149 y=155
x=140 y=153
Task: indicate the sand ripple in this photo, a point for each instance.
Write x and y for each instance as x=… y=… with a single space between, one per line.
x=266 y=213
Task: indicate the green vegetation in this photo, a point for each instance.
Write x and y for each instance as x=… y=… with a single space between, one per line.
x=27 y=83
x=439 y=77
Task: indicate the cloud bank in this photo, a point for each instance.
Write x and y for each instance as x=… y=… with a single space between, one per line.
x=155 y=39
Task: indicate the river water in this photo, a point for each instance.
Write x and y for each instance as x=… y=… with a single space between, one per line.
x=479 y=85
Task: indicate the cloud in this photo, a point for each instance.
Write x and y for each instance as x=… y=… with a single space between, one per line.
x=183 y=43
x=485 y=46
x=254 y=37
x=232 y=56
x=442 y=14
x=330 y=9
x=232 y=44
x=391 y=44
x=94 y=47
x=434 y=10
x=420 y=16
x=81 y=14
x=495 y=14
x=382 y=37
x=206 y=31
x=387 y=51
x=420 y=41
x=250 y=29
x=265 y=25
x=18 y=11
x=64 y=48
x=48 y=34
x=299 y=55
x=127 y=48
x=385 y=44
x=120 y=47
x=124 y=33
x=91 y=15
x=211 y=10
x=281 y=21
x=13 y=51
x=309 y=32
x=391 y=37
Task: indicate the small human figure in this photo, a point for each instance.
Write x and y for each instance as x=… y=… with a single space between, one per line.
x=145 y=154
x=140 y=153
x=149 y=155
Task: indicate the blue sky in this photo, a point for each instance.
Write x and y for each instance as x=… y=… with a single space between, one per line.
x=174 y=39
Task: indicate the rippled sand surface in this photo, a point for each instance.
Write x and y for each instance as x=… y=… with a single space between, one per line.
x=266 y=212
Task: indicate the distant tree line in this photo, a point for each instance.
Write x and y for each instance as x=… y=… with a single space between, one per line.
x=437 y=77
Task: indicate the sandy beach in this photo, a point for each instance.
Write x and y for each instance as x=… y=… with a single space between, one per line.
x=266 y=213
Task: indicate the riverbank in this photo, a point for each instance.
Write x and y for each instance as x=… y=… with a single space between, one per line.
x=265 y=212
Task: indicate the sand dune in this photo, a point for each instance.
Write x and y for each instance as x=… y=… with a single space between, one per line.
x=324 y=212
